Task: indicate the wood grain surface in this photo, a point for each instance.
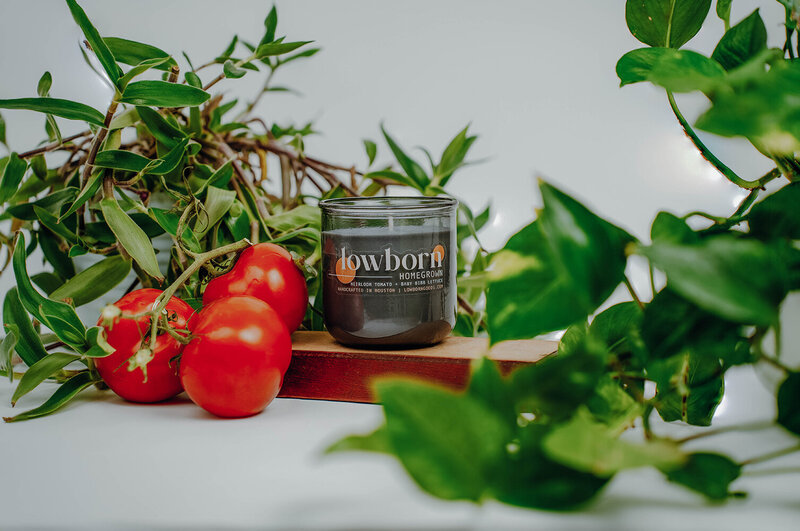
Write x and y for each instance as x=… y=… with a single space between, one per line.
x=323 y=369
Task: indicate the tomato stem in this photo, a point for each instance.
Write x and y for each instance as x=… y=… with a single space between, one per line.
x=161 y=302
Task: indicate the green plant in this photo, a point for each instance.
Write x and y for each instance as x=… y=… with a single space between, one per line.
x=207 y=157
x=548 y=435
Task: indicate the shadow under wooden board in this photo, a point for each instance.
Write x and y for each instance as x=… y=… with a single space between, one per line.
x=323 y=369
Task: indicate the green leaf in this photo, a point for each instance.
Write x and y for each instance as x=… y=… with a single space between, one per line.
x=60 y=398
x=89 y=190
x=47 y=282
x=453 y=156
x=737 y=279
x=193 y=80
x=742 y=42
x=51 y=222
x=371 y=149
x=171 y=160
x=377 y=441
x=71 y=110
x=134 y=53
x=160 y=128
x=94 y=281
x=554 y=387
x=121 y=160
x=52 y=203
x=169 y=222
x=7 y=347
x=98 y=345
x=612 y=406
x=29 y=345
x=789 y=403
x=530 y=478
x=3 y=139
x=52 y=248
x=672 y=229
x=554 y=272
x=724 y=11
x=232 y=71
x=689 y=387
x=41 y=371
x=12 y=176
x=140 y=69
x=270 y=24
x=707 y=473
x=216 y=205
x=278 y=48
x=618 y=327
x=674 y=70
x=132 y=237
x=45 y=82
x=589 y=446
x=163 y=94
x=488 y=386
x=651 y=21
x=449 y=444
x=413 y=170
x=399 y=178
x=777 y=216
x=99 y=47
x=57 y=316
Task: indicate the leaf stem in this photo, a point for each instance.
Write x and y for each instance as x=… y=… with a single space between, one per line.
x=709 y=156
x=95 y=147
x=771 y=455
x=753 y=426
x=775 y=363
x=632 y=292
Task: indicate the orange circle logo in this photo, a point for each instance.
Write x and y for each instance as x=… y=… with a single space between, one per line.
x=438 y=253
x=344 y=271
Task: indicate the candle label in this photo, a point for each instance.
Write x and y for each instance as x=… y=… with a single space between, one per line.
x=390 y=272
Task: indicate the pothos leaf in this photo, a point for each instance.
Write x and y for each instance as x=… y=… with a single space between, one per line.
x=651 y=21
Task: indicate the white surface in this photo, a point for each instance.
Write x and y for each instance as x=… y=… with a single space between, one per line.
x=536 y=80
x=106 y=464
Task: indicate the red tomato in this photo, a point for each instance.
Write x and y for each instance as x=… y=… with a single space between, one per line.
x=234 y=365
x=147 y=381
x=265 y=271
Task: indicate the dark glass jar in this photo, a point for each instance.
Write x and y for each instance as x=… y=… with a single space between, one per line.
x=389 y=270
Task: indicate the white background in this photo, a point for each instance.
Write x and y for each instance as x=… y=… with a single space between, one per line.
x=536 y=81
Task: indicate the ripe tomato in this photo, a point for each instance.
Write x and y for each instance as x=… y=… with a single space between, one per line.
x=265 y=271
x=234 y=365
x=146 y=379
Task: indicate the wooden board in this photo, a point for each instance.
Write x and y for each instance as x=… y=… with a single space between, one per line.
x=322 y=369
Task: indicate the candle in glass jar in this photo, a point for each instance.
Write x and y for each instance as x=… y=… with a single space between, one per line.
x=389 y=270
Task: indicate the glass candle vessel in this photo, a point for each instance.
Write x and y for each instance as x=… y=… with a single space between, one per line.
x=389 y=270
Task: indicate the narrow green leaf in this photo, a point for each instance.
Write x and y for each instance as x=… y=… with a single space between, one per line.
x=47 y=282
x=98 y=344
x=724 y=11
x=94 y=281
x=134 y=53
x=41 y=371
x=3 y=139
x=270 y=24
x=7 y=347
x=99 y=47
x=60 y=398
x=216 y=205
x=52 y=203
x=29 y=345
x=454 y=155
x=377 y=441
x=71 y=110
x=193 y=80
x=45 y=82
x=121 y=160
x=163 y=94
x=278 y=48
x=89 y=190
x=132 y=237
x=389 y=175
x=140 y=69
x=169 y=222
x=372 y=149
x=232 y=71
x=160 y=128
x=51 y=222
x=58 y=316
x=12 y=177
x=409 y=165
x=171 y=160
